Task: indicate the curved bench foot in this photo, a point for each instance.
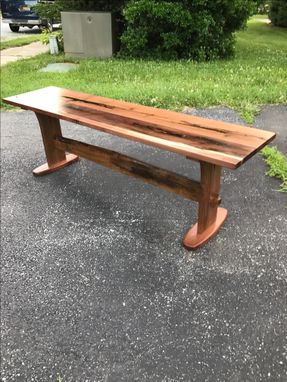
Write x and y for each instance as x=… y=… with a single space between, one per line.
x=193 y=240
x=46 y=169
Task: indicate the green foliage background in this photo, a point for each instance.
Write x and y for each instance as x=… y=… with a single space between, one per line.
x=91 y=5
x=197 y=29
x=278 y=13
x=200 y=30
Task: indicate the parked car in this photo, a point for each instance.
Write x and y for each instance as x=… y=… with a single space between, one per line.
x=19 y=13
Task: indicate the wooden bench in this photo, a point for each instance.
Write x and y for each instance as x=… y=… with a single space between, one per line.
x=214 y=144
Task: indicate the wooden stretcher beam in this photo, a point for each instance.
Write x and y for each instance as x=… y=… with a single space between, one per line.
x=148 y=173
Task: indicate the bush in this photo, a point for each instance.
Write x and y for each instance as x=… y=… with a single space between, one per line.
x=45 y=38
x=278 y=13
x=52 y=11
x=91 y=5
x=197 y=29
x=48 y=11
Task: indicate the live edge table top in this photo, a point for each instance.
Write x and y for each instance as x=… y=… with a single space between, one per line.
x=215 y=142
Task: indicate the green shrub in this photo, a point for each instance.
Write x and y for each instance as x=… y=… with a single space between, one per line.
x=278 y=13
x=48 y=11
x=45 y=38
x=52 y=11
x=196 y=29
x=91 y=5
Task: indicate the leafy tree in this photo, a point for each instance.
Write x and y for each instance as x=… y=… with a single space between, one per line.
x=261 y=7
x=278 y=13
x=48 y=11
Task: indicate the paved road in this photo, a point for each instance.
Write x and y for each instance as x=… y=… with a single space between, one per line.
x=6 y=33
x=97 y=287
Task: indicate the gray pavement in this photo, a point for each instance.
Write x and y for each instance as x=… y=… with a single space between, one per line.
x=22 y=52
x=7 y=34
x=97 y=287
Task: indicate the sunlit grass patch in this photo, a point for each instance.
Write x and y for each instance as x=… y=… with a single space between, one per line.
x=21 y=41
x=257 y=75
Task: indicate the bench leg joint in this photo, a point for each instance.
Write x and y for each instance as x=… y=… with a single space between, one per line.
x=210 y=216
x=56 y=158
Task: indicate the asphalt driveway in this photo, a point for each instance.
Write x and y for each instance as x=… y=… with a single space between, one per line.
x=97 y=287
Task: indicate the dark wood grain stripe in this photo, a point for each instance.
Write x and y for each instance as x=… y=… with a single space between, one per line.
x=170 y=116
x=214 y=142
x=179 y=126
x=167 y=180
x=207 y=143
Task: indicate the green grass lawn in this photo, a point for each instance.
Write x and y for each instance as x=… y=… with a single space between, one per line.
x=260 y=17
x=21 y=41
x=257 y=75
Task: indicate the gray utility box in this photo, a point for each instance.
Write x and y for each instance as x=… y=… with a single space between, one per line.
x=90 y=34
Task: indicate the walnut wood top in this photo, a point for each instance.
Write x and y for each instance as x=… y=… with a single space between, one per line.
x=216 y=142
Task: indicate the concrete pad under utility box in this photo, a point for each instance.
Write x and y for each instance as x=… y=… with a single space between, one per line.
x=89 y=34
